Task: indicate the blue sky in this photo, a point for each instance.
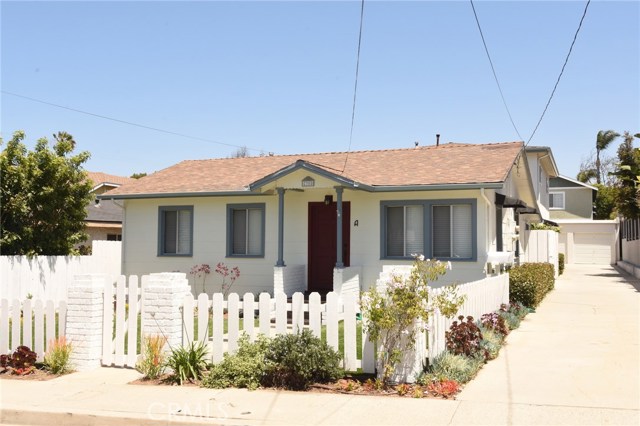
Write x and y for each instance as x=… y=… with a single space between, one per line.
x=279 y=76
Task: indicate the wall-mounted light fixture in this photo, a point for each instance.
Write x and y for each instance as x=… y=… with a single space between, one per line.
x=328 y=199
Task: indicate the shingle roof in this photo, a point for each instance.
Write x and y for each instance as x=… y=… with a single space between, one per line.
x=105 y=211
x=451 y=163
x=98 y=177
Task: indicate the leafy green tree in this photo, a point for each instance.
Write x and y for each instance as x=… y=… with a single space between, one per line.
x=138 y=175
x=628 y=173
x=605 y=204
x=603 y=140
x=43 y=194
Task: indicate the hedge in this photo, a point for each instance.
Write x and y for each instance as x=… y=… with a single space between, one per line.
x=530 y=282
x=560 y=263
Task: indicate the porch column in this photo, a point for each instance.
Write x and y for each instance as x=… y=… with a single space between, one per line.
x=339 y=263
x=280 y=261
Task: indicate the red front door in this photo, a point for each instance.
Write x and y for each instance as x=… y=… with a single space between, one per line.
x=323 y=243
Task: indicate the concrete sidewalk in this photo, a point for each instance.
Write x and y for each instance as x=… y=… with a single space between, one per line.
x=575 y=361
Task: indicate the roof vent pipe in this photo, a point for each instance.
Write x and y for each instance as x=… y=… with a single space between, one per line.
x=417 y=143
x=437 y=139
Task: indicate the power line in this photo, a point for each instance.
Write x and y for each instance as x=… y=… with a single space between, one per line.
x=561 y=71
x=130 y=123
x=355 y=86
x=495 y=76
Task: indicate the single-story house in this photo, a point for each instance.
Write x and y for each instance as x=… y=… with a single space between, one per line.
x=329 y=221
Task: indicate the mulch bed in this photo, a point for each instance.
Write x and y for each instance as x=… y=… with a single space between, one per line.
x=37 y=374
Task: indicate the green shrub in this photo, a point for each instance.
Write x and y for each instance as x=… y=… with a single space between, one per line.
x=516 y=308
x=244 y=369
x=294 y=361
x=560 y=263
x=460 y=368
x=511 y=319
x=188 y=362
x=491 y=342
x=56 y=359
x=530 y=282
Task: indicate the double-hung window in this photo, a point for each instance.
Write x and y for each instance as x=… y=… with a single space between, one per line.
x=443 y=229
x=175 y=231
x=245 y=230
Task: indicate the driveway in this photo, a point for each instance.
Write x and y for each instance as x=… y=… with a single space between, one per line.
x=575 y=361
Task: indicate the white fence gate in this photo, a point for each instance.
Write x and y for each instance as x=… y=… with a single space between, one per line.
x=121 y=321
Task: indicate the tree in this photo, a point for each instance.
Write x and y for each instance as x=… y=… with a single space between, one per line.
x=605 y=204
x=588 y=172
x=628 y=173
x=138 y=175
x=603 y=140
x=241 y=152
x=43 y=194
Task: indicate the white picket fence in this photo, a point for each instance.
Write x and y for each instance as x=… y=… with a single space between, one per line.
x=31 y=323
x=482 y=297
x=122 y=311
x=270 y=316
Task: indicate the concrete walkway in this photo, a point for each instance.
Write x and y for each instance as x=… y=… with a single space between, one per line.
x=573 y=362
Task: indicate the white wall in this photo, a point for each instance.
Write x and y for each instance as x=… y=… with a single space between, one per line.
x=570 y=227
x=209 y=245
x=47 y=277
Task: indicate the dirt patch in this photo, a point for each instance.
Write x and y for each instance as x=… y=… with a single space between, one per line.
x=38 y=375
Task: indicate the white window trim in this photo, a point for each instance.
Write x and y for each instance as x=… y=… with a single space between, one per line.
x=552 y=193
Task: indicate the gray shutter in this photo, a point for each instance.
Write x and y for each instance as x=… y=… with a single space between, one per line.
x=441 y=231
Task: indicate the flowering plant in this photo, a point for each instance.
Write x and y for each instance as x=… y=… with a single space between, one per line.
x=198 y=271
x=231 y=274
x=398 y=311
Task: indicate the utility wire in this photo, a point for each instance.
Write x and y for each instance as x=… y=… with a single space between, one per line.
x=355 y=86
x=561 y=71
x=495 y=76
x=130 y=123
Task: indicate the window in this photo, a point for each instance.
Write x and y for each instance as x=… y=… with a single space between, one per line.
x=175 y=234
x=452 y=237
x=405 y=233
x=114 y=237
x=245 y=230
x=556 y=200
x=438 y=229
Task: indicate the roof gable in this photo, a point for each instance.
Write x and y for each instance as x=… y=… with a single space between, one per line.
x=447 y=164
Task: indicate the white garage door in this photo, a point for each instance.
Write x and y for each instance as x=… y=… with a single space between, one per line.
x=592 y=248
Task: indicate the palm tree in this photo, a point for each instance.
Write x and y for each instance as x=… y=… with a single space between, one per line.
x=603 y=140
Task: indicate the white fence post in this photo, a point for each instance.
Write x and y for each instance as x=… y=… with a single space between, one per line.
x=84 y=320
x=163 y=297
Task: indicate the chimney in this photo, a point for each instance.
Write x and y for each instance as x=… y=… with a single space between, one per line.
x=417 y=143
x=437 y=139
